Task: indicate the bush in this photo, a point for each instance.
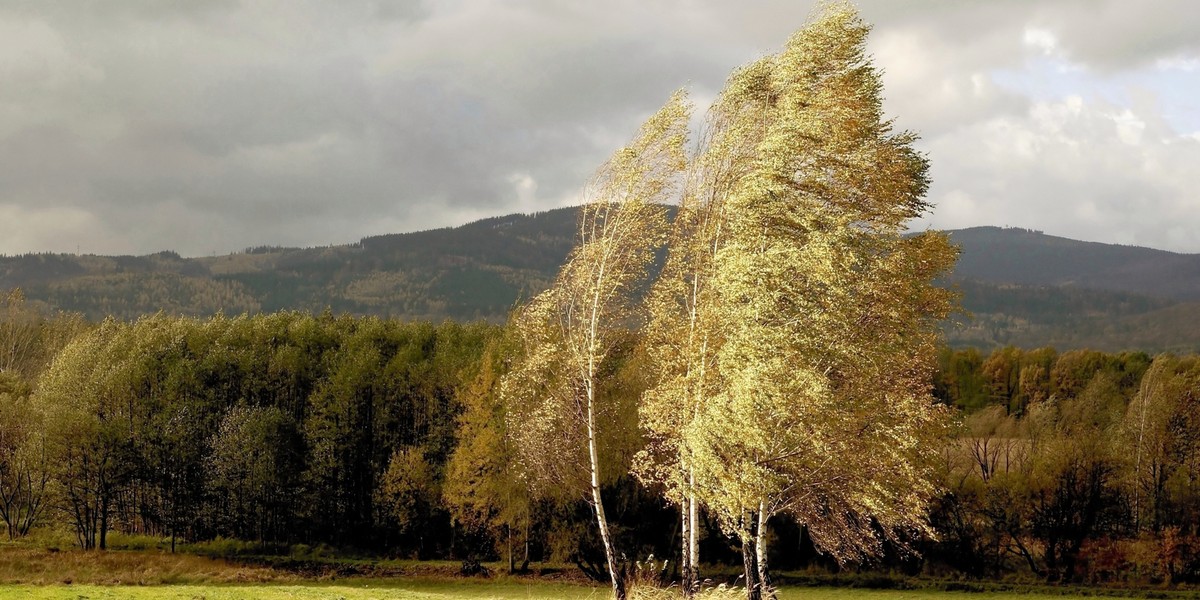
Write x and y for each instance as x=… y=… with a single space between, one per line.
x=225 y=547
x=141 y=543
x=1170 y=557
x=52 y=538
x=1105 y=560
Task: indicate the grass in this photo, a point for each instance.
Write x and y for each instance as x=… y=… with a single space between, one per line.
x=144 y=571
x=45 y=567
x=388 y=590
x=443 y=590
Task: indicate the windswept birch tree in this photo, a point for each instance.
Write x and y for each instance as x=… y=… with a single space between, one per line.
x=794 y=327
x=567 y=333
x=826 y=414
x=684 y=332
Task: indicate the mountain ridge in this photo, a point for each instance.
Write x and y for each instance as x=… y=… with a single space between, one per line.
x=1004 y=255
x=1021 y=287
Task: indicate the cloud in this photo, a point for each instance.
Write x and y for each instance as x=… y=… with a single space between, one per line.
x=1043 y=40
x=211 y=125
x=1075 y=168
x=1114 y=34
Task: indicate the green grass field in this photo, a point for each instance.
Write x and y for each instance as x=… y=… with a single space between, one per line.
x=32 y=572
x=441 y=590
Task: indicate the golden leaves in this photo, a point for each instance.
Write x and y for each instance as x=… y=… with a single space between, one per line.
x=791 y=330
x=792 y=326
x=568 y=332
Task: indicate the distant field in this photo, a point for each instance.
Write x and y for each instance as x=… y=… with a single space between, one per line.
x=441 y=590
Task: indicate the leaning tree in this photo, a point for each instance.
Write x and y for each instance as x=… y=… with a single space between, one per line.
x=795 y=323
x=568 y=333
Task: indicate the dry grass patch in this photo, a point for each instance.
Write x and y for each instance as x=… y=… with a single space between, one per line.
x=41 y=567
x=401 y=590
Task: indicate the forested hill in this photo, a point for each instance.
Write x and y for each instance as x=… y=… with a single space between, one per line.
x=1028 y=289
x=1021 y=287
x=1031 y=258
x=476 y=271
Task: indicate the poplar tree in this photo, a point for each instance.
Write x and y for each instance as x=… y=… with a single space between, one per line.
x=568 y=333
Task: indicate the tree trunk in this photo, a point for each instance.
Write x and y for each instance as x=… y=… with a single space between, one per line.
x=694 y=533
x=512 y=559
x=1051 y=559
x=174 y=519
x=10 y=521
x=685 y=551
x=103 y=530
x=614 y=571
x=525 y=563
x=750 y=556
x=760 y=546
x=1025 y=553
x=104 y=527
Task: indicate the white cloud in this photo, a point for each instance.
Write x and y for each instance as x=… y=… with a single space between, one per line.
x=1129 y=127
x=1187 y=64
x=1042 y=40
x=1076 y=168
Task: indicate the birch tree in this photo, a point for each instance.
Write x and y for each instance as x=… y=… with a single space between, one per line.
x=1157 y=430
x=825 y=312
x=568 y=332
x=684 y=332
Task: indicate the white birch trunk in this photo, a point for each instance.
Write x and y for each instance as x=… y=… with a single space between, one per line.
x=760 y=546
x=618 y=581
x=693 y=532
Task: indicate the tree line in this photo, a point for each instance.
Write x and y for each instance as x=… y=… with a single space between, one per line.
x=284 y=427
x=393 y=439
x=1074 y=466
x=364 y=434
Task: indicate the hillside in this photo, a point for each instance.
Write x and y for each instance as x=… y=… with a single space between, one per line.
x=1029 y=258
x=1020 y=287
x=476 y=271
x=1028 y=289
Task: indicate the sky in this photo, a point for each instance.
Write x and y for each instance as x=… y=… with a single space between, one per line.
x=209 y=126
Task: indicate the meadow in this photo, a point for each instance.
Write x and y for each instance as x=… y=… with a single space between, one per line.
x=472 y=590
x=30 y=571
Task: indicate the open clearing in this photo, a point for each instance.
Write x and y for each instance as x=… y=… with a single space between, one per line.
x=441 y=590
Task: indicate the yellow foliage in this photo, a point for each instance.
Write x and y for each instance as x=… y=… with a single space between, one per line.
x=793 y=329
